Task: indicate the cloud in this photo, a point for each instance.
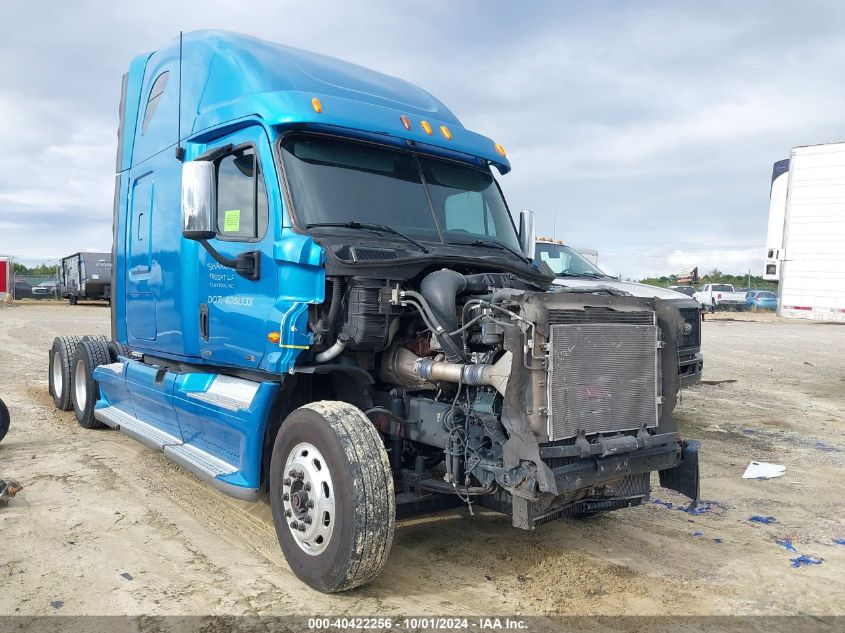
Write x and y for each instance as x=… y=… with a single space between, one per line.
x=645 y=131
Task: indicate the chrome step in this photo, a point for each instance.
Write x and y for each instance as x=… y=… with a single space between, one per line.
x=197 y=459
x=209 y=468
x=135 y=428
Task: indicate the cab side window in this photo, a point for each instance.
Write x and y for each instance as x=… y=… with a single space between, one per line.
x=242 y=210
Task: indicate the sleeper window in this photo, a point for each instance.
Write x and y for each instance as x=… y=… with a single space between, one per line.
x=241 y=197
x=155 y=96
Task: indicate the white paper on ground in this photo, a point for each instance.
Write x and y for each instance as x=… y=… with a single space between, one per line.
x=762 y=470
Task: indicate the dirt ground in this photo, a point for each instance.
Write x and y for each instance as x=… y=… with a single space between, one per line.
x=106 y=526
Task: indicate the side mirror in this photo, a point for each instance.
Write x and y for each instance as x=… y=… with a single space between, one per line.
x=527 y=233
x=198 y=200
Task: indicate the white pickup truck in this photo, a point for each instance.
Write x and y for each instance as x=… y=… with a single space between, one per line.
x=713 y=296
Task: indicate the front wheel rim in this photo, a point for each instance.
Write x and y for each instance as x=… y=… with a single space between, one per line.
x=308 y=498
x=80 y=382
x=58 y=379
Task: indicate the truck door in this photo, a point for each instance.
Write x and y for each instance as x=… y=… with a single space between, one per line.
x=140 y=301
x=231 y=310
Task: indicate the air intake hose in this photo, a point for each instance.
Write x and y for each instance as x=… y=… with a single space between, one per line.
x=441 y=289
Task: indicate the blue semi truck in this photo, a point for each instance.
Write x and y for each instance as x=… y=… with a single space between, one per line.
x=319 y=296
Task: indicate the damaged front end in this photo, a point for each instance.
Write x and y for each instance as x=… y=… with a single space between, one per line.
x=587 y=407
x=540 y=405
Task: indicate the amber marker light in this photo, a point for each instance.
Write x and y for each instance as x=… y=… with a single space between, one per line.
x=274 y=337
x=446 y=132
x=500 y=149
x=405 y=121
x=426 y=126
x=315 y=103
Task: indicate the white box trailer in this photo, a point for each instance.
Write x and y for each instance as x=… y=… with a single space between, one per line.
x=805 y=246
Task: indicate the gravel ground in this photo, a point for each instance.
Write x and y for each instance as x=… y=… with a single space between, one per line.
x=107 y=526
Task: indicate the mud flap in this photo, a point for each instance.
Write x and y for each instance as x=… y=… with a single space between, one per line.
x=684 y=477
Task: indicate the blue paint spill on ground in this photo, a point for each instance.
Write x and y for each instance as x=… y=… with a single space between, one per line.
x=827 y=448
x=57 y=604
x=802 y=560
x=761 y=519
x=703 y=507
x=698 y=533
x=786 y=544
x=718 y=540
x=839 y=541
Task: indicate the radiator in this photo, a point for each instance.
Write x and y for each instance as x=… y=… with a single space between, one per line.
x=603 y=377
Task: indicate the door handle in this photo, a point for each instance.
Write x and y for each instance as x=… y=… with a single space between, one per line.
x=204 y=321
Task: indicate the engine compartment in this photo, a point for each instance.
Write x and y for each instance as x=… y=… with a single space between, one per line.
x=488 y=388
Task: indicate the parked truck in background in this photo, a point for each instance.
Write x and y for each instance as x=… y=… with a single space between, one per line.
x=573 y=272
x=85 y=276
x=318 y=291
x=720 y=297
x=805 y=244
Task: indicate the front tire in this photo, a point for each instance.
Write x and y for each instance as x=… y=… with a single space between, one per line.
x=89 y=355
x=331 y=491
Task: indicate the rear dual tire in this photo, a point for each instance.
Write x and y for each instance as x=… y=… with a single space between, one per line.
x=331 y=492
x=90 y=353
x=59 y=372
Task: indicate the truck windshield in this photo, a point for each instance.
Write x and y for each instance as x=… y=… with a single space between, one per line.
x=334 y=181
x=565 y=261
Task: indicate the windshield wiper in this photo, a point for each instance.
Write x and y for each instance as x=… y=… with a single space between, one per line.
x=493 y=244
x=369 y=227
x=587 y=275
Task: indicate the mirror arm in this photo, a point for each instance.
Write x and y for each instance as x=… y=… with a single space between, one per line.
x=246 y=264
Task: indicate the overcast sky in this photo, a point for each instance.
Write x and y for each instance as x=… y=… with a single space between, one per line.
x=648 y=129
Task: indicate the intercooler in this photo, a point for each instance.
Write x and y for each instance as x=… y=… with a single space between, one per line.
x=604 y=373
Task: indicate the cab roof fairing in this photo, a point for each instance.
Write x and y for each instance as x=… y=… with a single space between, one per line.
x=227 y=77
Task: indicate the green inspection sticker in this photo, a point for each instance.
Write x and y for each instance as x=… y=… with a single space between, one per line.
x=232 y=221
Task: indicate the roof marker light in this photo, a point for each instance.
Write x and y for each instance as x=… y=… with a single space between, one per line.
x=315 y=103
x=405 y=121
x=445 y=132
x=500 y=149
x=426 y=126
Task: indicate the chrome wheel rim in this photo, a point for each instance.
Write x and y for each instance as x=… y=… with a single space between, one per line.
x=80 y=382
x=58 y=379
x=308 y=498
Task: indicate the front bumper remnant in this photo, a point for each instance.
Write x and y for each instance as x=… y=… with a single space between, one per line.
x=676 y=462
x=684 y=477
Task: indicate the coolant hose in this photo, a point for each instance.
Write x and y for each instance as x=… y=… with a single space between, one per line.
x=334 y=306
x=334 y=351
